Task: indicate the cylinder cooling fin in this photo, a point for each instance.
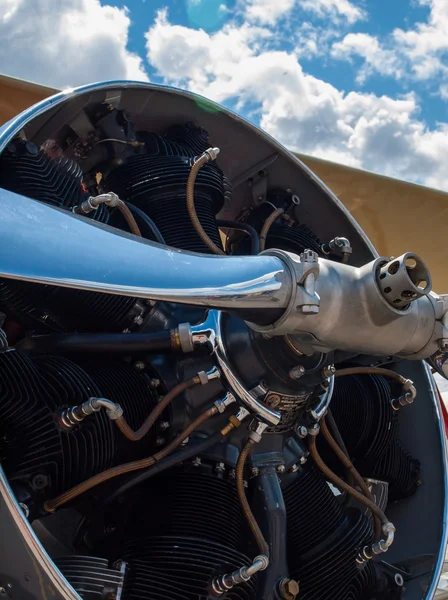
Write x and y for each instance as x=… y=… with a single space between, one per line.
x=322 y=549
x=155 y=181
x=361 y=406
x=35 y=450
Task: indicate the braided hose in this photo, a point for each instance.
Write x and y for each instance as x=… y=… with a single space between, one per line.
x=136 y=436
x=247 y=512
x=208 y=155
x=130 y=220
x=267 y=225
x=81 y=488
x=352 y=470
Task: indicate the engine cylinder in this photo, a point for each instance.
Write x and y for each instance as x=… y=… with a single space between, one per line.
x=193 y=531
x=324 y=540
x=361 y=406
x=156 y=183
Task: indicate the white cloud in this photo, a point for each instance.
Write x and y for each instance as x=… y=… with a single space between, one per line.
x=443 y=91
x=375 y=57
x=305 y=113
x=66 y=43
x=418 y=53
x=269 y=11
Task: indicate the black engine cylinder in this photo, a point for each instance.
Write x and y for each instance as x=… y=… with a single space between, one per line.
x=186 y=528
x=156 y=183
x=35 y=450
x=58 y=182
x=324 y=540
x=361 y=406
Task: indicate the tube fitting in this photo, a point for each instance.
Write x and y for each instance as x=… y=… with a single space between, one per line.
x=380 y=547
x=70 y=417
x=224 y=583
x=94 y=202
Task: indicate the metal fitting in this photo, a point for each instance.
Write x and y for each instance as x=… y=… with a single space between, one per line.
x=196 y=462
x=257 y=428
x=205 y=377
x=154 y=383
x=222 y=405
x=211 y=153
x=302 y=431
x=329 y=371
x=113 y=410
x=160 y=441
x=340 y=246
x=255 y=471
x=314 y=429
x=294 y=468
x=220 y=467
x=242 y=413
x=368 y=552
x=289 y=589
x=164 y=425
x=94 y=202
x=281 y=469
x=224 y=583
x=73 y=416
x=297 y=372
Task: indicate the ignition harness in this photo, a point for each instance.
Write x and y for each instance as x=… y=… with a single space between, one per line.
x=388 y=529
x=51 y=505
x=204 y=158
x=113 y=201
x=223 y=583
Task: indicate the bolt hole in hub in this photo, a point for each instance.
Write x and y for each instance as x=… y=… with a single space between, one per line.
x=403 y=280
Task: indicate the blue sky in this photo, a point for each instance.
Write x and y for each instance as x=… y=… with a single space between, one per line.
x=362 y=82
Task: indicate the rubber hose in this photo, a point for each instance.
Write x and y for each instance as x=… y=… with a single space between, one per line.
x=136 y=465
x=247 y=512
x=135 y=436
x=251 y=231
x=200 y=162
x=267 y=225
x=154 y=230
x=104 y=343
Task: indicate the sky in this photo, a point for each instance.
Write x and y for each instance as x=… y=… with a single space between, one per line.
x=360 y=82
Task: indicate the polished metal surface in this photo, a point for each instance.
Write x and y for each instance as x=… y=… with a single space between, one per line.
x=353 y=315
x=209 y=333
x=444 y=524
x=47 y=245
x=318 y=410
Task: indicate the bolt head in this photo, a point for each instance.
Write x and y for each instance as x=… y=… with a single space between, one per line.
x=289 y=589
x=220 y=467
x=297 y=372
x=302 y=431
x=138 y=320
x=160 y=441
x=294 y=468
x=281 y=469
x=303 y=460
x=197 y=461
x=154 y=383
x=164 y=425
x=255 y=471
x=139 y=365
